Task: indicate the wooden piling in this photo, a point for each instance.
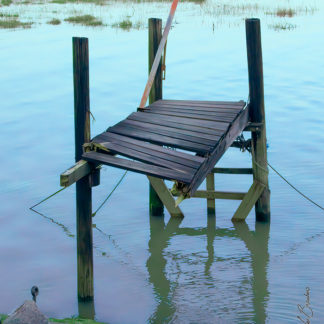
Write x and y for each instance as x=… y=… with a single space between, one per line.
x=83 y=186
x=257 y=115
x=155 y=35
x=210 y=186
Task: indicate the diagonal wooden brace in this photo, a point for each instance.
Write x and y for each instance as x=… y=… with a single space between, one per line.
x=248 y=201
x=165 y=196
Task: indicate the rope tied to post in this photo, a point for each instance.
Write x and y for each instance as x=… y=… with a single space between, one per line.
x=246 y=145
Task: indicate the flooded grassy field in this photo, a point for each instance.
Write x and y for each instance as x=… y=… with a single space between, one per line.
x=161 y=270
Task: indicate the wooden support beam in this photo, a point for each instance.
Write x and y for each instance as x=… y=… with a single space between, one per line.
x=210 y=186
x=253 y=127
x=209 y=194
x=248 y=202
x=83 y=185
x=79 y=170
x=233 y=170
x=257 y=115
x=164 y=194
x=155 y=35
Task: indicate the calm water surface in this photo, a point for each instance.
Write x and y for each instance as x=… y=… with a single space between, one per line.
x=159 y=270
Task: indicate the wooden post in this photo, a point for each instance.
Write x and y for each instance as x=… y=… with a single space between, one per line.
x=83 y=186
x=257 y=115
x=155 y=35
x=210 y=186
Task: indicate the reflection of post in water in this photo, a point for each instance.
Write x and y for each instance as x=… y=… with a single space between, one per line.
x=257 y=244
x=159 y=239
x=86 y=309
x=211 y=233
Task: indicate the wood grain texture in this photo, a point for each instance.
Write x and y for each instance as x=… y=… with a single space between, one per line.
x=154 y=120
x=160 y=139
x=83 y=186
x=139 y=167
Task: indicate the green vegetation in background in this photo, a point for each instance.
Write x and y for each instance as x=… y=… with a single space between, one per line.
x=54 y=21
x=6 y=2
x=6 y=15
x=97 y=2
x=86 y=20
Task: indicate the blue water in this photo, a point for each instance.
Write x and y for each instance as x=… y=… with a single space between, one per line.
x=159 y=270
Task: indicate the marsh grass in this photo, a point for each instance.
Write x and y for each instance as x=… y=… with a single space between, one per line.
x=13 y=22
x=6 y=15
x=127 y=24
x=285 y=12
x=6 y=2
x=96 y=2
x=290 y=12
x=85 y=20
x=54 y=21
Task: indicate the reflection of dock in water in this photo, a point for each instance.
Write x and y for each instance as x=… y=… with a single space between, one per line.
x=255 y=241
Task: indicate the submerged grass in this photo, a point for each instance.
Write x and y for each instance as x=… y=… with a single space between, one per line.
x=86 y=20
x=282 y=26
x=126 y=24
x=54 y=21
x=14 y=23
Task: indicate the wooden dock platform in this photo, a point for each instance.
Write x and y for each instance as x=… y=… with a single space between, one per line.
x=178 y=140
x=203 y=130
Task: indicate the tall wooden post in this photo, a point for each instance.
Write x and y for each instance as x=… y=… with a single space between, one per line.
x=155 y=35
x=83 y=186
x=257 y=115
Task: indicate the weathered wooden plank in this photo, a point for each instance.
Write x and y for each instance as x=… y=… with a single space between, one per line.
x=169 y=132
x=200 y=108
x=202 y=102
x=123 y=140
x=181 y=120
x=211 y=194
x=165 y=196
x=116 y=148
x=189 y=109
x=199 y=135
x=75 y=173
x=163 y=157
x=139 y=167
x=233 y=170
x=216 y=118
x=154 y=120
x=248 y=202
x=160 y=139
x=234 y=130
